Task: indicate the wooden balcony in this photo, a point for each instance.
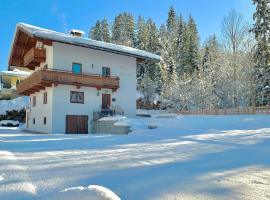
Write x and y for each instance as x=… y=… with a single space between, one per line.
x=34 y=57
x=46 y=77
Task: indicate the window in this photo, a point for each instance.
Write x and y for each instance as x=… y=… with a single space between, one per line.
x=34 y=101
x=34 y=121
x=106 y=71
x=44 y=120
x=77 y=68
x=45 y=97
x=76 y=97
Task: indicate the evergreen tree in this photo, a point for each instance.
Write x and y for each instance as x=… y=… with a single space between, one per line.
x=141 y=34
x=123 y=30
x=96 y=32
x=147 y=88
x=152 y=37
x=261 y=30
x=181 y=46
x=211 y=51
x=171 y=21
x=193 y=46
x=105 y=31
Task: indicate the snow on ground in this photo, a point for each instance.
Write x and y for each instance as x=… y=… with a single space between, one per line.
x=186 y=157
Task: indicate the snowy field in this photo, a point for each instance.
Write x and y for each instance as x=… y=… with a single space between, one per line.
x=189 y=157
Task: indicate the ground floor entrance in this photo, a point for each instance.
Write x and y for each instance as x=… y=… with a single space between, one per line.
x=76 y=124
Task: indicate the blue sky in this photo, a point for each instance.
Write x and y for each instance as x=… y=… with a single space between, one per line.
x=62 y=15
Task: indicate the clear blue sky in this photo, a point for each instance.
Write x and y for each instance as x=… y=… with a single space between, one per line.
x=62 y=15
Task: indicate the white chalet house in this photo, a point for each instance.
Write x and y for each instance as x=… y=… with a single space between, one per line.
x=73 y=77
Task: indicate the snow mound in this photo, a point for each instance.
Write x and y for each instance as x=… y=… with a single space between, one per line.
x=152 y=125
x=14 y=104
x=1 y=178
x=9 y=123
x=92 y=192
x=113 y=118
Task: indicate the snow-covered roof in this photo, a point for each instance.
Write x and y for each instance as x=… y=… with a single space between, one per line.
x=15 y=72
x=67 y=38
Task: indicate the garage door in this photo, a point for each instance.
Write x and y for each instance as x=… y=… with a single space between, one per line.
x=77 y=124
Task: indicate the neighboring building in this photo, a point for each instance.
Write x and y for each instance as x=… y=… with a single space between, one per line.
x=9 y=81
x=73 y=78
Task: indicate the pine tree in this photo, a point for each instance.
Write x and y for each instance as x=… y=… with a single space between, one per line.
x=96 y=32
x=152 y=36
x=193 y=46
x=171 y=21
x=147 y=88
x=123 y=30
x=211 y=51
x=141 y=34
x=105 y=31
x=261 y=30
x=181 y=46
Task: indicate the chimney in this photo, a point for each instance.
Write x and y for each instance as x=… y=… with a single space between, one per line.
x=76 y=33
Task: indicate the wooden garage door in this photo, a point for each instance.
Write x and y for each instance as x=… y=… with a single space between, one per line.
x=77 y=124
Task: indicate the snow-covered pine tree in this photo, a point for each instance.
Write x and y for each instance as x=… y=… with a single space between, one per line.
x=105 y=31
x=193 y=46
x=123 y=30
x=171 y=21
x=116 y=29
x=96 y=32
x=141 y=34
x=168 y=40
x=261 y=30
x=147 y=88
x=181 y=46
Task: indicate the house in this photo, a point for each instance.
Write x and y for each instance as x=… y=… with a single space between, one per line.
x=9 y=81
x=73 y=78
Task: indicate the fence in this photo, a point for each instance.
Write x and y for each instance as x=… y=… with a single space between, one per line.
x=232 y=111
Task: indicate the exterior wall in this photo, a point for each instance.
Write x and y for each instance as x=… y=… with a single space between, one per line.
x=92 y=62
x=40 y=111
x=62 y=106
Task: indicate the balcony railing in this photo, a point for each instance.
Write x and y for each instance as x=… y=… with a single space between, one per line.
x=40 y=79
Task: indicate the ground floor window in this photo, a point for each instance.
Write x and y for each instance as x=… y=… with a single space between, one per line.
x=34 y=121
x=34 y=101
x=45 y=98
x=76 y=97
x=44 y=120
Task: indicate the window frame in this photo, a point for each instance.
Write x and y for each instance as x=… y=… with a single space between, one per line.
x=80 y=68
x=106 y=68
x=76 y=92
x=34 y=102
x=45 y=97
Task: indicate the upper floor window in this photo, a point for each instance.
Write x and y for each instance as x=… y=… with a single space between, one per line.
x=77 y=68
x=106 y=71
x=45 y=97
x=34 y=101
x=76 y=97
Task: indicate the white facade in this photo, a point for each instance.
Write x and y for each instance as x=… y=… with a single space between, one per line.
x=61 y=56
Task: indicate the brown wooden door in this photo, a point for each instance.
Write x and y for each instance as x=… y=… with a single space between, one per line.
x=76 y=124
x=106 y=101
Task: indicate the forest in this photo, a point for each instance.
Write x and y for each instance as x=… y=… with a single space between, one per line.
x=228 y=70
